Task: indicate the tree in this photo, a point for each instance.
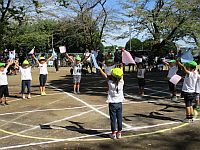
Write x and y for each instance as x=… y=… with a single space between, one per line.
x=90 y=20
x=136 y=44
x=12 y=15
x=164 y=21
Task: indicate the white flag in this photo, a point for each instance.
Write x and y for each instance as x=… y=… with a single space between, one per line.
x=12 y=55
x=32 y=51
x=62 y=49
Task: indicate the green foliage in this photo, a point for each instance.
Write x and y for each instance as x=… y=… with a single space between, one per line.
x=164 y=21
x=136 y=44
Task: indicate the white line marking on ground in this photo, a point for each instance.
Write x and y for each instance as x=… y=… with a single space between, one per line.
x=78 y=138
x=10 y=101
x=44 y=110
x=35 y=127
x=88 y=105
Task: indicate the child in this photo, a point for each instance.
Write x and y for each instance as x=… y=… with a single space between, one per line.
x=197 y=90
x=141 y=78
x=115 y=98
x=173 y=68
x=43 y=73
x=77 y=67
x=188 y=88
x=26 y=78
x=4 y=82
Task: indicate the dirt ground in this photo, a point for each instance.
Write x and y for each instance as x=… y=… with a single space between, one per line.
x=63 y=120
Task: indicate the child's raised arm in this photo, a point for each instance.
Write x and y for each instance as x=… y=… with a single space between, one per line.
x=103 y=73
x=165 y=63
x=9 y=64
x=183 y=67
x=50 y=58
x=70 y=59
x=35 y=59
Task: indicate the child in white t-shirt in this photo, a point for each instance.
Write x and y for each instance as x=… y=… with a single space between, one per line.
x=26 y=78
x=4 y=93
x=197 y=90
x=77 y=69
x=115 y=99
x=141 y=78
x=173 y=68
x=189 y=86
x=42 y=62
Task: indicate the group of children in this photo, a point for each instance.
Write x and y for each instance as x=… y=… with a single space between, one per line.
x=191 y=85
x=26 y=77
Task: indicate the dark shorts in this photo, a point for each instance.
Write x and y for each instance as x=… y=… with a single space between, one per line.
x=188 y=98
x=4 y=91
x=172 y=87
x=43 y=79
x=141 y=81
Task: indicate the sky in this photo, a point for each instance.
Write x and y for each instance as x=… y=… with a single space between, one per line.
x=122 y=42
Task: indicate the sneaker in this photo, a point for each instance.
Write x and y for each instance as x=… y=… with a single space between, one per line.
x=78 y=92
x=44 y=93
x=119 y=135
x=6 y=103
x=29 y=96
x=186 y=120
x=23 y=96
x=74 y=92
x=174 y=98
x=113 y=136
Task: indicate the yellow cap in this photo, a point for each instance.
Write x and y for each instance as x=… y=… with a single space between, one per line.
x=42 y=58
x=25 y=62
x=117 y=72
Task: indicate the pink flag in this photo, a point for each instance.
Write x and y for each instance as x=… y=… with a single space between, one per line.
x=175 y=79
x=32 y=51
x=127 y=58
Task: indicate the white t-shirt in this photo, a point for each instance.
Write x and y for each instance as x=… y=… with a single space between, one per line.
x=190 y=80
x=3 y=78
x=197 y=89
x=25 y=73
x=43 y=68
x=107 y=69
x=172 y=71
x=113 y=95
x=77 y=68
x=140 y=73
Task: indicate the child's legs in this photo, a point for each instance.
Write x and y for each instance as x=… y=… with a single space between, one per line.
x=112 y=112
x=28 y=84
x=43 y=79
x=23 y=86
x=188 y=98
x=172 y=88
x=197 y=99
x=5 y=93
x=119 y=116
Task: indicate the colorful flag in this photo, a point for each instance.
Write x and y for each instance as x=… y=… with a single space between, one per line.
x=62 y=49
x=32 y=51
x=187 y=57
x=12 y=55
x=127 y=58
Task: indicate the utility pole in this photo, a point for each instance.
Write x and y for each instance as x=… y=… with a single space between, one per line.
x=130 y=37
